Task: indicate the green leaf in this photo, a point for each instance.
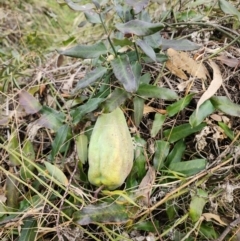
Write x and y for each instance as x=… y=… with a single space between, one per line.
x=157 y=124
x=177 y=153
x=28 y=230
x=116 y=98
x=223 y=104
x=56 y=173
x=131 y=181
x=122 y=42
x=161 y=152
x=92 y=16
x=190 y=14
x=139 y=165
x=28 y=150
x=148 y=226
x=90 y=78
x=197 y=204
x=3 y=210
x=179 y=105
x=145 y=16
x=138 y=5
x=31 y=201
x=139 y=28
x=137 y=69
x=27 y=167
x=12 y=192
x=160 y=58
x=138 y=105
x=29 y=103
x=228 y=8
x=208 y=231
x=145 y=79
x=132 y=55
x=105 y=87
x=88 y=107
x=59 y=140
x=26 y=174
x=122 y=195
x=226 y=130
x=188 y=168
x=79 y=7
x=97 y=4
x=171 y=209
x=204 y=110
x=146 y=49
x=181 y=132
x=13 y=145
x=179 y=44
x=151 y=91
x=85 y=51
x=82 y=147
x=156 y=41
x=51 y=118
x=123 y=71
x=124 y=12
x=140 y=146
x=101 y=213
x=153 y=40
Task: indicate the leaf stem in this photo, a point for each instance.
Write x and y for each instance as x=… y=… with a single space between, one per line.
x=105 y=30
x=215 y=26
x=135 y=46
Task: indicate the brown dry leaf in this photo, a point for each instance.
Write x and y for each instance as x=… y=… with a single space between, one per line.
x=184 y=84
x=68 y=84
x=174 y=69
x=214 y=86
x=210 y=216
x=231 y=62
x=42 y=89
x=216 y=117
x=145 y=186
x=148 y=109
x=60 y=60
x=2 y=198
x=29 y=102
x=180 y=62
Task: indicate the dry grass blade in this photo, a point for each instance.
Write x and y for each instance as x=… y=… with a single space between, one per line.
x=214 y=86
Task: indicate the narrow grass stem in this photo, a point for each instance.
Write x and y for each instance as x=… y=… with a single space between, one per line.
x=108 y=37
x=222 y=49
x=215 y=26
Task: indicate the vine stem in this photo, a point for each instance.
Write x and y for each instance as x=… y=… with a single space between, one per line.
x=215 y=26
x=105 y=30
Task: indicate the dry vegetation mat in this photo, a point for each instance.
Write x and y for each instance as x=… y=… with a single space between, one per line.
x=119 y=120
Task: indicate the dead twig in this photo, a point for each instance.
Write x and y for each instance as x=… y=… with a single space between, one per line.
x=228 y=229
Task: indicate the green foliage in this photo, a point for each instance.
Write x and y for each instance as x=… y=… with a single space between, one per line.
x=197 y=204
x=125 y=66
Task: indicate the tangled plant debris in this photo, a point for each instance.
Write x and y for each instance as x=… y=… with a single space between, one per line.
x=171 y=69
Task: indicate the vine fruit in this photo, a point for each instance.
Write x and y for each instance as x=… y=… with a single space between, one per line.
x=110 y=153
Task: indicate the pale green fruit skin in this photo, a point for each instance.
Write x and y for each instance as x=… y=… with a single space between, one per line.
x=110 y=153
